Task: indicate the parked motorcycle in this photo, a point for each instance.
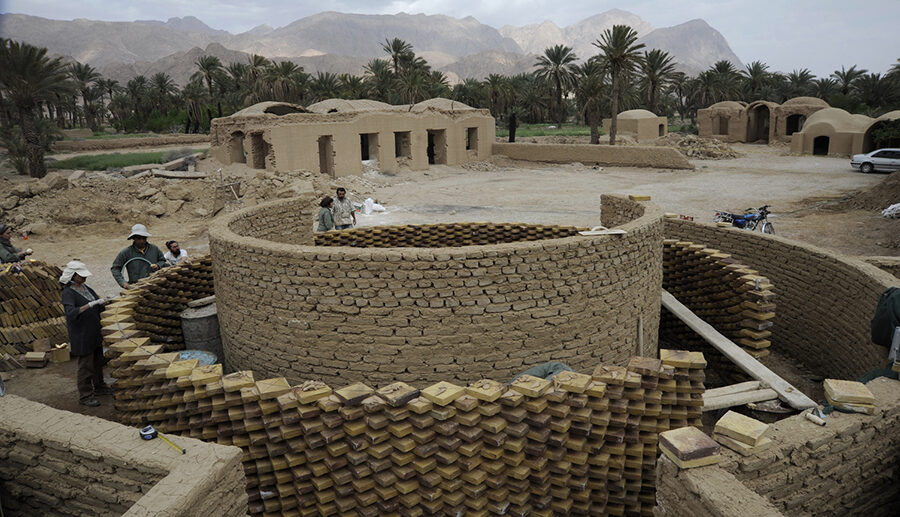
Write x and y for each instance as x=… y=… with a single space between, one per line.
x=751 y=219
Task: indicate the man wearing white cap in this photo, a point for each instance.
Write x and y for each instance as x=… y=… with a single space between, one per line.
x=140 y=259
x=83 y=307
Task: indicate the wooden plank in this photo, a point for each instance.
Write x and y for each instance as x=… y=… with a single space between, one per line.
x=737 y=399
x=794 y=397
x=732 y=389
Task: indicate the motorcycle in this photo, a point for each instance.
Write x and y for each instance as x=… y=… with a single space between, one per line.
x=751 y=219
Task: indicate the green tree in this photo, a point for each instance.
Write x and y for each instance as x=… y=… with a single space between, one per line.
x=556 y=67
x=621 y=56
x=756 y=78
x=82 y=76
x=162 y=91
x=876 y=92
x=379 y=80
x=209 y=68
x=28 y=79
x=397 y=49
x=800 y=83
x=589 y=93
x=846 y=78
x=137 y=89
x=657 y=69
x=194 y=96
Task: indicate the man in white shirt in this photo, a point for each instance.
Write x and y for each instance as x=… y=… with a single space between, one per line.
x=175 y=255
x=344 y=214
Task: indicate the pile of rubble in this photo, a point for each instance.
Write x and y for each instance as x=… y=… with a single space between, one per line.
x=693 y=146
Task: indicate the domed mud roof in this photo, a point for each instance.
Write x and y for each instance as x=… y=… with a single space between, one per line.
x=271 y=108
x=348 y=106
x=636 y=114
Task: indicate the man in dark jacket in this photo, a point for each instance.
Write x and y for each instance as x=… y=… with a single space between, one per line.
x=83 y=307
x=8 y=252
x=140 y=259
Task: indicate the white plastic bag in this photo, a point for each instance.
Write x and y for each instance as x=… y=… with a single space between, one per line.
x=369 y=206
x=892 y=211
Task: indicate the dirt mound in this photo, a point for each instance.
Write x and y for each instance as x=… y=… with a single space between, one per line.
x=878 y=197
x=693 y=146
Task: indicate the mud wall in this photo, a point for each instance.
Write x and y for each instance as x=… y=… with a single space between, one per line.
x=54 y=462
x=624 y=156
x=825 y=300
x=848 y=467
x=343 y=314
x=123 y=143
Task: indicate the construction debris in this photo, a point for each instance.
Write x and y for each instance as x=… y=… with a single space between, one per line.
x=693 y=146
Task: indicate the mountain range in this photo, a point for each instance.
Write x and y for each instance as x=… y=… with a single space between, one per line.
x=344 y=43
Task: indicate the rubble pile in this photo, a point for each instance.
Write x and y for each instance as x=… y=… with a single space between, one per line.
x=693 y=146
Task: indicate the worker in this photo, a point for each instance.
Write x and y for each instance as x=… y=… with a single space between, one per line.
x=8 y=252
x=175 y=255
x=82 y=308
x=326 y=218
x=140 y=259
x=344 y=213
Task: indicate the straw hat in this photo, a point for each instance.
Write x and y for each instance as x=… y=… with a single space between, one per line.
x=74 y=266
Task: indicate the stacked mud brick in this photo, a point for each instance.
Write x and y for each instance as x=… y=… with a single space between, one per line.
x=577 y=444
x=442 y=235
x=731 y=297
x=30 y=306
x=152 y=308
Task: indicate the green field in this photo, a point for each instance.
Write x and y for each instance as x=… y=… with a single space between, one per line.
x=101 y=162
x=526 y=130
x=100 y=135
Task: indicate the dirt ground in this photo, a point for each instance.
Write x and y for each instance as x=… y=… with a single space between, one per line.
x=810 y=198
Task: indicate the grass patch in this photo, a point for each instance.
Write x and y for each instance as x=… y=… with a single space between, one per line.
x=102 y=162
x=526 y=130
x=100 y=135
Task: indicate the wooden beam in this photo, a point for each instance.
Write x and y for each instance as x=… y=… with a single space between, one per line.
x=732 y=389
x=794 y=397
x=736 y=399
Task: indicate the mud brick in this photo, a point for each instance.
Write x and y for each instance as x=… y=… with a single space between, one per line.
x=848 y=391
x=272 y=388
x=610 y=375
x=354 y=394
x=572 y=381
x=237 y=380
x=682 y=359
x=397 y=394
x=485 y=390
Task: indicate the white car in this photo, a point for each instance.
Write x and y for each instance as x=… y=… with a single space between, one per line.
x=885 y=160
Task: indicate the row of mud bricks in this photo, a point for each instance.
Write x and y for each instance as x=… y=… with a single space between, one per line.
x=442 y=235
x=152 y=308
x=579 y=444
x=30 y=307
x=728 y=295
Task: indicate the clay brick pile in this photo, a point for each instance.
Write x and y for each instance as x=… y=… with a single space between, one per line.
x=731 y=297
x=578 y=444
x=30 y=307
x=152 y=308
x=447 y=235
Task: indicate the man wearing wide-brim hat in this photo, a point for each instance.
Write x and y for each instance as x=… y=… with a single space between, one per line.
x=139 y=260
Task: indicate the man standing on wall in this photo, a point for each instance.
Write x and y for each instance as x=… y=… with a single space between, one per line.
x=344 y=214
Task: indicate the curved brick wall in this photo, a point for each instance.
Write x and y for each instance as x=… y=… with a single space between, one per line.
x=343 y=314
x=825 y=300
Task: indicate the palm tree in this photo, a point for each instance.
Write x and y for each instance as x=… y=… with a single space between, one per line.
x=413 y=86
x=379 y=80
x=325 y=86
x=499 y=92
x=137 y=91
x=352 y=86
x=589 y=91
x=29 y=78
x=396 y=48
x=621 y=55
x=471 y=92
x=876 y=92
x=756 y=77
x=283 y=80
x=824 y=88
x=800 y=83
x=846 y=78
x=162 y=89
x=107 y=86
x=209 y=68
x=82 y=76
x=194 y=96
x=556 y=66
x=657 y=70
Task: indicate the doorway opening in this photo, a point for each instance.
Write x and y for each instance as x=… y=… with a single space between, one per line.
x=662 y=130
x=259 y=148
x=326 y=155
x=723 y=126
x=236 y=151
x=758 y=124
x=793 y=124
x=402 y=144
x=820 y=145
x=437 y=146
x=471 y=138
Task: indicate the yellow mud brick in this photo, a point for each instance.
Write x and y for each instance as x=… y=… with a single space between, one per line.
x=682 y=358
x=572 y=382
x=420 y=405
x=596 y=389
x=443 y=393
x=237 y=380
x=609 y=374
x=741 y=447
x=397 y=394
x=645 y=365
x=486 y=389
x=531 y=386
x=272 y=388
x=848 y=391
x=638 y=197
x=311 y=391
x=181 y=368
x=354 y=394
x=741 y=428
x=205 y=374
x=688 y=464
x=141 y=352
x=688 y=443
x=854 y=407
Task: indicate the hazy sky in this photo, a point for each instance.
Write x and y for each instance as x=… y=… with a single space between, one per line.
x=820 y=35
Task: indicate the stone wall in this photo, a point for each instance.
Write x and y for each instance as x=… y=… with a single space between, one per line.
x=54 y=462
x=849 y=467
x=619 y=155
x=343 y=314
x=825 y=300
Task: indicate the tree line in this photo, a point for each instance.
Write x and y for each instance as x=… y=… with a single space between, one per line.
x=39 y=94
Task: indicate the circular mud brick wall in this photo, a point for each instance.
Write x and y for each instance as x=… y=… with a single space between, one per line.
x=456 y=302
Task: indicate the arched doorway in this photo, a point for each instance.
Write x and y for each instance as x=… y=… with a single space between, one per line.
x=820 y=145
x=758 y=124
x=884 y=133
x=794 y=123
